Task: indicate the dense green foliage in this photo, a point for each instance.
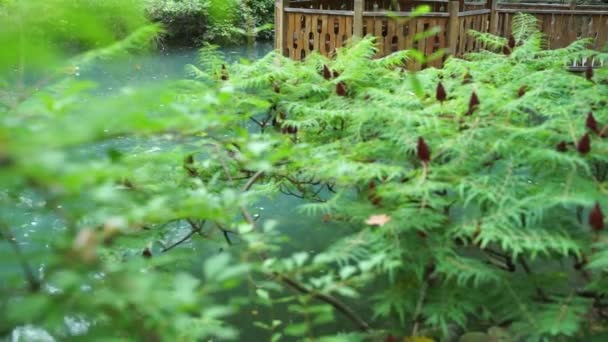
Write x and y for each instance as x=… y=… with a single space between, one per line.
x=218 y=21
x=452 y=214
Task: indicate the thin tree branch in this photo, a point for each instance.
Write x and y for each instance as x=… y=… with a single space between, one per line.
x=252 y=180
x=27 y=270
x=334 y=302
x=179 y=242
x=529 y=272
x=195 y=228
x=418 y=312
x=225 y=233
x=257 y=122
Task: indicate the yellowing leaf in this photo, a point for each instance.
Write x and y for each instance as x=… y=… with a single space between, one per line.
x=378 y=220
x=418 y=339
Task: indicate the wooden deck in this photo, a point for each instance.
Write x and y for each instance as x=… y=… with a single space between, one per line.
x=304 y=26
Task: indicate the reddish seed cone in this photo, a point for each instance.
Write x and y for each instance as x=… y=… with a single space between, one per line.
x=289 y=130
x=372 y=196
x=581 y=262
x=591 y=123
x=473 y=103
x=440 y=94
x=506 y=50
x=423 y=151
x=596 y=218
x=336 y=74
x=224 y=73
x=522 y=91
x=189 y=166
x=512 y=42
x=391 y=338
x=467 y=78
x=561 y=146
x=326 y=72
x=146 y=253
x=341 y=89
x=584 y=144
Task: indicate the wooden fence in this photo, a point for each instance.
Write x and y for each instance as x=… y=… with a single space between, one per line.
x=304 y=26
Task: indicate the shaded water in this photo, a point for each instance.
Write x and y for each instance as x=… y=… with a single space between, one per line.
x=302 y=233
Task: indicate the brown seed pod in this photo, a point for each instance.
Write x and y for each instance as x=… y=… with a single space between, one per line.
x=336 y=74
x=561 y=146
x=580 y=263
x=440 y=94
x=390 y=338
x=589 y=72
x=512 y=42
x=522 y=91
x=583 y=146
x=326 y=72
x=341 y=89
x=372 y=196
x=467 y=78
x=188 y=165
x=591 y=123
x=278 y=119
x=224 y=73
x=596 y=218
x=147 y=253
x=288 y=129
x=423 y=151
x=473 y=103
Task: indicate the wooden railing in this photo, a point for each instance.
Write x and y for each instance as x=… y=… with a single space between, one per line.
x=324 y=25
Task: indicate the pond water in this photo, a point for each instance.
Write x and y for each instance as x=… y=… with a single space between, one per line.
x=164 y=65
x=303 y=233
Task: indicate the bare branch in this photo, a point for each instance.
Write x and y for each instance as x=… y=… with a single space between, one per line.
x=194 y=229
x=27 y=270
x=252 y=180
x=418 y=312
x=334 y=302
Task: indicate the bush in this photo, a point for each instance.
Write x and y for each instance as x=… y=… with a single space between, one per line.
x=467 y=199
x=190 y=22
x=185 y=21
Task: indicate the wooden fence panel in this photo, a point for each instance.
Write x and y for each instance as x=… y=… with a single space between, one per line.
x=563 y=27
x=395 y=34
x=307 y=32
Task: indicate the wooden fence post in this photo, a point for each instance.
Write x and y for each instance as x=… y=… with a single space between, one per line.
x=358 y=18
x=493 y=6
x=280 y=24
x=453 y=10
